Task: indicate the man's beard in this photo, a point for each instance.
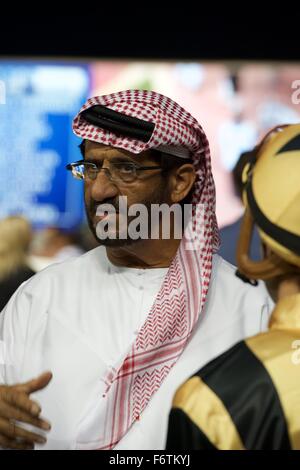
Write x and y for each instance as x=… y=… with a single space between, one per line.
x=156 y=198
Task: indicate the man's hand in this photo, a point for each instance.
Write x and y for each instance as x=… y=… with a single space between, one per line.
x=15 y=405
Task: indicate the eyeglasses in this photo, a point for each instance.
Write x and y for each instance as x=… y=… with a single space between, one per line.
x=116 y=171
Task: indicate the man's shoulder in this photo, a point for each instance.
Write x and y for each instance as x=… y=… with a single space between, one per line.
x=57 y=282
x=71 y=269
x=232 y=300
x=224 y=274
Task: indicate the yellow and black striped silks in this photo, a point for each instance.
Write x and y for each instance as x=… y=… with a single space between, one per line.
x=247 y=398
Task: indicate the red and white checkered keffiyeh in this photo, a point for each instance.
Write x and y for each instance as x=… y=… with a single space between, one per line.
x=182 y=295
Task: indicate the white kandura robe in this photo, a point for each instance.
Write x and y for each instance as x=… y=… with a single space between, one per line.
x=80 y=317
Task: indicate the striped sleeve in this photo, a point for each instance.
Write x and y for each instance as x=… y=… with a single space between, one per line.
x=230 y=404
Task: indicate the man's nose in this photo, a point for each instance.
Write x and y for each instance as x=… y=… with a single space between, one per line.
x=102 y=187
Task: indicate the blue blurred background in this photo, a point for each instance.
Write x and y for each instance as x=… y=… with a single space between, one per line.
x=37 y=142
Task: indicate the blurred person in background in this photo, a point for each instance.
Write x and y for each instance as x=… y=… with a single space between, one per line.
x=249 y=397
x=230 y=233
x=53 y=245
x=15 y=238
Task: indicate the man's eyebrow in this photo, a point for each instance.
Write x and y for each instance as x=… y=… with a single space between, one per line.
x=120 y=158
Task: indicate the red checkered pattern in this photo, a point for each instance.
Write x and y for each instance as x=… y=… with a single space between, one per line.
x=181 y=298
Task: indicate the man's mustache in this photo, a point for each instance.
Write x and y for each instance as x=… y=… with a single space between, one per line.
x=111 y=202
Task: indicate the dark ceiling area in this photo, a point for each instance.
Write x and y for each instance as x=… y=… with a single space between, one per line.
x=191 y=38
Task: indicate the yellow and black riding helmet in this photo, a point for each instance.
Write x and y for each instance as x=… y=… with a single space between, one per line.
x=271 y=197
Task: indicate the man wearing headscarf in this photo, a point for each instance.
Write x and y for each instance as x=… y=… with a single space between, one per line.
x=121 y=327
x=248 y=398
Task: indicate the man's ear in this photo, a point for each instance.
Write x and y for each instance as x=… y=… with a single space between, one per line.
x=181 y=182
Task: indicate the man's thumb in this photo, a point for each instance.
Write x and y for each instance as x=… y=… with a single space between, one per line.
x=36 y=384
